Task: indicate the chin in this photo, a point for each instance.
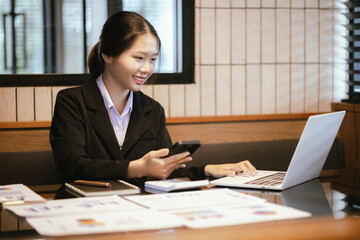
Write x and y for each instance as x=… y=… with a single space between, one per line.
x=136 y=88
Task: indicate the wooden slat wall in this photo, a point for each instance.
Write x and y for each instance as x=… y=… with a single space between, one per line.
x=251 y=57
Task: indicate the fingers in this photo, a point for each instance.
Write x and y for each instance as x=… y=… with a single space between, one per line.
x=161 y=153
x=160 y=166
x=245 y=166
x=179 y=158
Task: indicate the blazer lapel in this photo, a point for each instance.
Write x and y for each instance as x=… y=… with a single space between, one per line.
x=99 y=118
x=138 y=123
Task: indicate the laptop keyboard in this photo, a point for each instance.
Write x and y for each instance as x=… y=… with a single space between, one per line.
x=270 y=180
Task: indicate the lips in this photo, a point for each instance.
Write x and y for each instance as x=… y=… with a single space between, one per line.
x=139 y=80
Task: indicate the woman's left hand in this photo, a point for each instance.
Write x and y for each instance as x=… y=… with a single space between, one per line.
x=230 y=169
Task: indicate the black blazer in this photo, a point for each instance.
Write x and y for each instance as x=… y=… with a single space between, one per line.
x=84 y=142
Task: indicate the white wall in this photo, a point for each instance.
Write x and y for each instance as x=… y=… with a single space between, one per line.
x=251 y=57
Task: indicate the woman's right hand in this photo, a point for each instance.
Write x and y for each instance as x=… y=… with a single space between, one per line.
x=156 y=164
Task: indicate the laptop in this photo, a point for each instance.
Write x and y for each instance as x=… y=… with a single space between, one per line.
x=307 y=161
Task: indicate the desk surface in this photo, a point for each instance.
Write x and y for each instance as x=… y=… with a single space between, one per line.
x=333 y=218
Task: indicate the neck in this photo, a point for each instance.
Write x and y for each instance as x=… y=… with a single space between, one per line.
x=117 y=93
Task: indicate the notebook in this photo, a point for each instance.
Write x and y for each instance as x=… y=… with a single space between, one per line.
x=119 y=187
x=169 y=185
x=306 y=163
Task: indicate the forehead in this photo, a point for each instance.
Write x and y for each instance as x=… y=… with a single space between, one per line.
x=147 y=43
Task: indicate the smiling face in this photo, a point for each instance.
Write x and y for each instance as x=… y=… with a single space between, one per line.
x=132 y=68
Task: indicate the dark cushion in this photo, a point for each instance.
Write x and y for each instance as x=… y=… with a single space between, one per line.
x=38 y=168
x=30 y=168
x=265 y=155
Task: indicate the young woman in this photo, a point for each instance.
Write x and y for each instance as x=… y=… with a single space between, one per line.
x=107 y=128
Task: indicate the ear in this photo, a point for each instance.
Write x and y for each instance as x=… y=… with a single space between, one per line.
x=106 y=58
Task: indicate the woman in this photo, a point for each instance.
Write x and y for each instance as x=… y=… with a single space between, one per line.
x=107 y=128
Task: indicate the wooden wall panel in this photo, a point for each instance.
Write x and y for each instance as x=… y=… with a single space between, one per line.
x=268 y=4
x=297 y=3
x=8 y=104
x=297 y=35
x=238 y=36
x=177 y=100
x=326 y=32
x=223 y=37
x=192 y=96
x=312 y=35
x=268 y=89
x=283 y=35
x=251 y=57
x=268 y=35
x=297 y=88
x=283 y=3
x=43 y=104
x=207 y=86
x=253 y=24
x=253 y=89
x=325 y=87
x=207 y=36
x=238 y=90
x=311 y=88
x=25 y=104
x=223 y=93
x=282 y=88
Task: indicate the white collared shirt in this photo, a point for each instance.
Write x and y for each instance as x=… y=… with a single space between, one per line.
x=119 y=122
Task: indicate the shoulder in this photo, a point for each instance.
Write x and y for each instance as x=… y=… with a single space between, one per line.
x=79 y=93
x=69 y=92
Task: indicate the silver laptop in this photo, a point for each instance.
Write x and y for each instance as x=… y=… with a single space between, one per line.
x=306 y=163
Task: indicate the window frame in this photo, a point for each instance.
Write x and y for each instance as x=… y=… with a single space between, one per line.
x=184 y=77
x=354 y=97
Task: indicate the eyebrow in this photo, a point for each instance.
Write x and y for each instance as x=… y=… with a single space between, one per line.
x=146 y=53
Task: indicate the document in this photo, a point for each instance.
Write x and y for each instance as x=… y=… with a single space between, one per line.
x=75 y=206
x=193 y=199
x=116 y=221
x=18 y=194
x=193 y=209
x=217 y=216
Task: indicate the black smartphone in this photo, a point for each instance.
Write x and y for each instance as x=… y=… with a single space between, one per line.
x=183 y=146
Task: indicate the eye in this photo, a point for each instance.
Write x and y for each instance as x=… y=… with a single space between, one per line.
x=153 y=60
x=139 y=58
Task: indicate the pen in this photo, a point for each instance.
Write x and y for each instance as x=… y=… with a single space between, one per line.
x=93 y=183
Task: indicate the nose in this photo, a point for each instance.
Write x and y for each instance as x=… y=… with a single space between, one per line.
x=145 y=68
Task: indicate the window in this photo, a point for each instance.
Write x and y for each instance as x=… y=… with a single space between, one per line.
x=21 y=37
x=63 y=50
x=353 y=26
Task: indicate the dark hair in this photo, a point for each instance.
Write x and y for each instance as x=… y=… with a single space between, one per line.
x=118 y=34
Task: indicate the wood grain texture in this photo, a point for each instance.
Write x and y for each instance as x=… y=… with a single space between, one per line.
x=38 y=140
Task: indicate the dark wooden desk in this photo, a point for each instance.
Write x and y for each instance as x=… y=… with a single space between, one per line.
x=332 y=219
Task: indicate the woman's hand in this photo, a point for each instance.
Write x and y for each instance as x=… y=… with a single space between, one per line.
x=231 y=169
x=155 y=164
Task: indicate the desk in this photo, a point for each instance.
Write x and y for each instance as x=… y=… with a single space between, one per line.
x=332 y=219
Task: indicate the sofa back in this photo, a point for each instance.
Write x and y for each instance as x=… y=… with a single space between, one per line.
x=38 y=168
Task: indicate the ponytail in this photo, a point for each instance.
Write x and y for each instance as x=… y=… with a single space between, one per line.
x=95 y=62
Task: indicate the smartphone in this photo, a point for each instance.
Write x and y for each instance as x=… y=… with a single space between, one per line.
x=183 y=146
